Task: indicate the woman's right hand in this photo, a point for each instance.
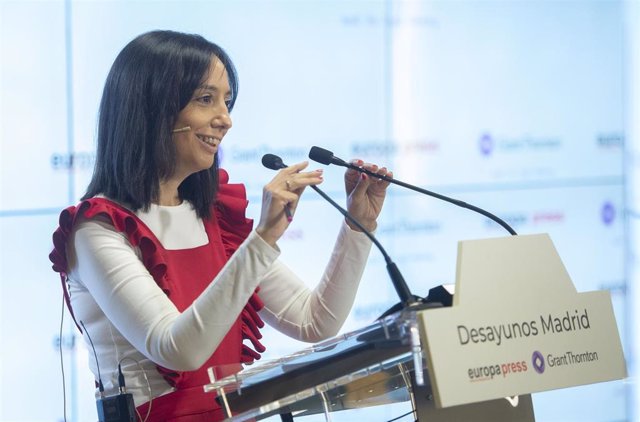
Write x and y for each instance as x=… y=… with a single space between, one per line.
x=282 y=192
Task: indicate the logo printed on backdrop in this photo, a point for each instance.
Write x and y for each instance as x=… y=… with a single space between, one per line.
x=489 y=144
x=486 y=144
x=236 y=154
x=397 y=148
x=538 y=362
x=608 y=213
x=514 y=219
x=610 y=141
x=77 y=160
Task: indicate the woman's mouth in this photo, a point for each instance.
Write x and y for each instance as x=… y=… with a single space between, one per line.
x=209 y=140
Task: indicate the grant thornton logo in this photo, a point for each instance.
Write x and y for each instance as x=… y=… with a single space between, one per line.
x=538 y=362
x=608 y=213
x=486 y=144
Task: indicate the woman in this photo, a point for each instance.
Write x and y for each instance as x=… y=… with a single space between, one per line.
x=159 y=264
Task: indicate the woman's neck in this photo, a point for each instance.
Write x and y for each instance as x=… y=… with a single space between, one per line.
x=168 y=195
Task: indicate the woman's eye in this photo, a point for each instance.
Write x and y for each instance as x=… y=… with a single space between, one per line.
x=205 y=99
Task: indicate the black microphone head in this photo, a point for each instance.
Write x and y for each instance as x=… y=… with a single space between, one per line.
x=272 y=162
x=321 y=155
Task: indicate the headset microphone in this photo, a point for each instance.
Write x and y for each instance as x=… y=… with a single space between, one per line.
x=182 y=129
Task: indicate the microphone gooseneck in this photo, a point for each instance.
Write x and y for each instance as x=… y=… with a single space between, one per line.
x=274 y=162
x=326 y=157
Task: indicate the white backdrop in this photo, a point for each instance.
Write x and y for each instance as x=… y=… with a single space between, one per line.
x=518 y=107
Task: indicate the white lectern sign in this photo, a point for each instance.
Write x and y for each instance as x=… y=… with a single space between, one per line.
x=518 y=325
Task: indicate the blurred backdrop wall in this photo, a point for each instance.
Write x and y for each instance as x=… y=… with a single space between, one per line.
x=526 y=108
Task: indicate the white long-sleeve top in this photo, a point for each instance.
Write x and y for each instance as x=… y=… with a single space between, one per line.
x=132 y=321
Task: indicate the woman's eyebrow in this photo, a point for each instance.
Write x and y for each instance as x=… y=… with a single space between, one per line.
x=211 y=88
x=207 y=88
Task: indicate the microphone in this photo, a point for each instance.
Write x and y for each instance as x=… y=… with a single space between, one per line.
x=182 y=129
x=407 y=299
x=326 y=157
x=274 y=162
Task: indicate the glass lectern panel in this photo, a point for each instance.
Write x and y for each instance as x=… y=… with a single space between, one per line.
x=366 y=367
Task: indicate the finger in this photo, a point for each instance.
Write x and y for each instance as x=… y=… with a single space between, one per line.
x=390 y=176
x=287 y=198
x=361 y=187
x=295 y=168
x=291 y=199
x=371 y=167
x=352 y=172
x=299 y=181
x=352 y=175
x=308 y=177
x=386 y=173
x=281 y=200
x=376 y=170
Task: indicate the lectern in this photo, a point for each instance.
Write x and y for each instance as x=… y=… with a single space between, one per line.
x=378 y=364
x=516 y=325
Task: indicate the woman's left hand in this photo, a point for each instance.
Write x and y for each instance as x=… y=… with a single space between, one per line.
x=365 y=194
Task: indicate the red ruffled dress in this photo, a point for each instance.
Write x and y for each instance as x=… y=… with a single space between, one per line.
x=183 y=275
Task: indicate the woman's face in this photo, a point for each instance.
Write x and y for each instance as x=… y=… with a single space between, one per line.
x=208 y=118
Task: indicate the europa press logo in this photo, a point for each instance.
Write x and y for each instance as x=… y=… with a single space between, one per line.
x=486 y=144
x=538 y=362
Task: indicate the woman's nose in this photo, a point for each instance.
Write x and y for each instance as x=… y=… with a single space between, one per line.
x=222 y=120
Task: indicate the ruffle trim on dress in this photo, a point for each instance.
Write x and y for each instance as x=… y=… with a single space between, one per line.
x=230 y=209
x=234 y=227
x=230 y=206
x=123 y=221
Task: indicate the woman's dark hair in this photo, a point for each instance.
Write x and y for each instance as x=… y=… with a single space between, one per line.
x=151 y=81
